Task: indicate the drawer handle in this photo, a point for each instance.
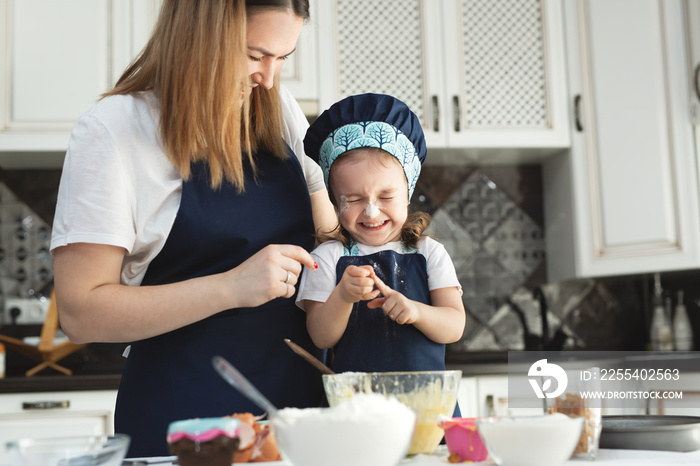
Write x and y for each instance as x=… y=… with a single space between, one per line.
x=456 y=113
x=577 y=112
x=436 y=114
x=41 y=405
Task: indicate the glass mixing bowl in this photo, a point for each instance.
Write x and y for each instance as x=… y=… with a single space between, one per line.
x=86 y=450
x=428 y=393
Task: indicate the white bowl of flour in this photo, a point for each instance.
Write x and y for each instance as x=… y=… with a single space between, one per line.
x=367 y=430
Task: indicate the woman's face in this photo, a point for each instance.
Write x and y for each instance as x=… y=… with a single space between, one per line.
x=271 y=37
x=372 y=197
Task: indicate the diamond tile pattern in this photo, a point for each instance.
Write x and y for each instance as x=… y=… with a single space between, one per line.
x=479 y=206
x=26 y=265
x=495 y=246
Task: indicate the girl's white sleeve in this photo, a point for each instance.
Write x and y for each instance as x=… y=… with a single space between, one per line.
x=317 y=285
x=441 y=269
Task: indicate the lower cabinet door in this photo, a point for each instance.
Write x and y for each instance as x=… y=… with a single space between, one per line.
x=55 y=414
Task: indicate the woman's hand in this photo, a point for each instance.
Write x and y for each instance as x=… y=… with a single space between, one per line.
x=398 y=307
x=357 y=284
x=272 y=272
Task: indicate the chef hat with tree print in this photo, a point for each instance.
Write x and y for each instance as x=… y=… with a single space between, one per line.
x=368 y=120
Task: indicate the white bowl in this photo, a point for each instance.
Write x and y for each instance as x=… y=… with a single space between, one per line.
x=367 y=430
x=99 y=450
x=547 y=440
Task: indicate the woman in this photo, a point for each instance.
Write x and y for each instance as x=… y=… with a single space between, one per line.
x=181 y=181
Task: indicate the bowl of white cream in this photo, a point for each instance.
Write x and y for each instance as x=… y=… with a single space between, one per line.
x=367 y=430
x=547 y=440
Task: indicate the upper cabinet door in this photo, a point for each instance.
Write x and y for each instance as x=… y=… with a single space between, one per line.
x=692 y=16
x=385 y=47
x=300 y=72
x=631 y=176
x=477 y=73
x=505 y=74
x=57 y=58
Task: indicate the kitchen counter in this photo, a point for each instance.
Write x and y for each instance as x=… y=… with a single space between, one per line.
x=57 y=383
x=605 y=458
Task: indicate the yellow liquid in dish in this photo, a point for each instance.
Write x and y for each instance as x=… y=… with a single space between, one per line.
x=426 y=437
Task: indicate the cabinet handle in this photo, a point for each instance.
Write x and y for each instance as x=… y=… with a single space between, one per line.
x=696 y=84
x=41 y=405
x=436 y=114
x=577 y=112
x=456 y=113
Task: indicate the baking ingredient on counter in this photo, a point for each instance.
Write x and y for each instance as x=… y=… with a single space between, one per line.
x=547 y=440
x=573 y=405
x=463 y=439
x=682 y=330
x=366 y=429
x=85 y=450
x=428 y=393
x=208 y=441
x=264 y=448
x=661 y=337
x=2 y=360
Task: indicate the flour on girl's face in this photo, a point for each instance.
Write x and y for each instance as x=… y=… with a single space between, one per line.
x=344 y=204
x=372 y=210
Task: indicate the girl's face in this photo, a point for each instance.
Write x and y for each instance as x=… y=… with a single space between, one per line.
x=371 y=194
x=271 y=37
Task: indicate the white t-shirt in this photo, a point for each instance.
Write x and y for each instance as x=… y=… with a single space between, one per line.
x=119 y=188
x=317 y=285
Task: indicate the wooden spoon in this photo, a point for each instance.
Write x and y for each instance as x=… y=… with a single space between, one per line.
x=309 y=357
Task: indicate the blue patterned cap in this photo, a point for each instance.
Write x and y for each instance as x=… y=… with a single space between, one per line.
x=368 y=120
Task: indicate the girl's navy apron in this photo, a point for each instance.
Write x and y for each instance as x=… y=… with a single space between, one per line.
x=372 y=342
x=170 y=377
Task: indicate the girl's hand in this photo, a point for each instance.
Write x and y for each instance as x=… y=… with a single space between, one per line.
x=357 y=284
x=399 y=308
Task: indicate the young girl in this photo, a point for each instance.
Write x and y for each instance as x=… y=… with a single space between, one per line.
x=384 y=297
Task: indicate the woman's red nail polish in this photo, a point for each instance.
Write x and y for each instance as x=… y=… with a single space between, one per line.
x=315 y=265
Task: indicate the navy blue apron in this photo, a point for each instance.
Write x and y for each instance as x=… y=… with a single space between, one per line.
x=372 y=342
x=170 y=377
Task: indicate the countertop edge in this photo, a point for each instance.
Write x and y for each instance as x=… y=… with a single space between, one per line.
x=59 y=383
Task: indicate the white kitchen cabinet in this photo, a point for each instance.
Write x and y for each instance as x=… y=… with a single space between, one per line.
x=48 y=414
x=625 y=199
x=300 y=72
x=57 y=58
x=692 y=16
x=478 y=74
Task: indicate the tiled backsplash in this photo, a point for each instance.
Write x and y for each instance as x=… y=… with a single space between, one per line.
x=26 y=265
x=491 y=221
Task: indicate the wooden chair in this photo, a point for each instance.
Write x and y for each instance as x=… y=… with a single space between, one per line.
x=46 y=351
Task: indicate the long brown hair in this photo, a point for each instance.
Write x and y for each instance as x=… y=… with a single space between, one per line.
x=416 y=222
x=196 y=63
